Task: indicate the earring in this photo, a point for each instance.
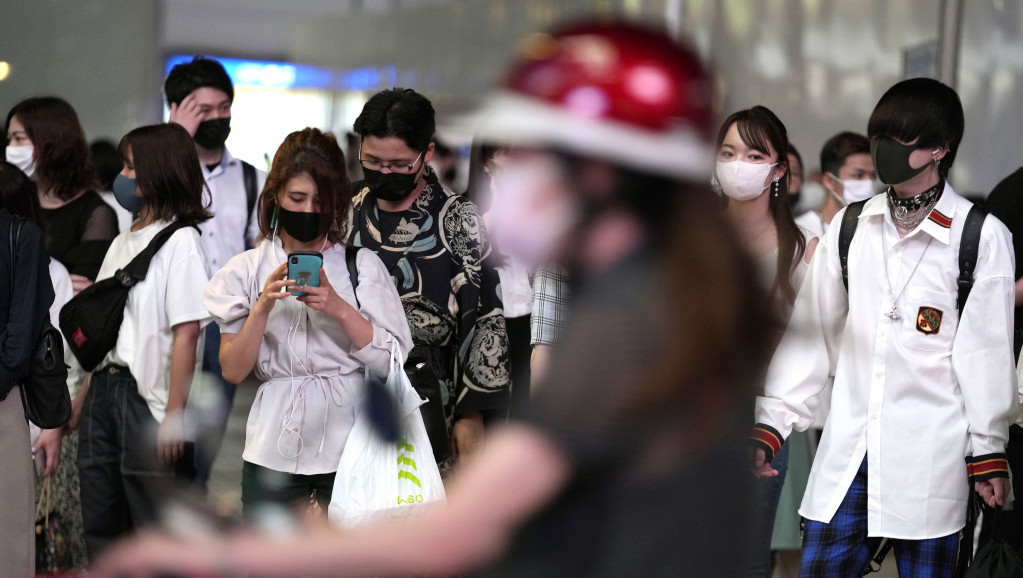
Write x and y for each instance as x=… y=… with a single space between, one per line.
x=775 y=187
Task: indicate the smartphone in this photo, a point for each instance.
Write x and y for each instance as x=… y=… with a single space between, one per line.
x=304 y=269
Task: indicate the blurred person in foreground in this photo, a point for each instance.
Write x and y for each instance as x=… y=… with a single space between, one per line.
x=923 y=392
x=620 y=488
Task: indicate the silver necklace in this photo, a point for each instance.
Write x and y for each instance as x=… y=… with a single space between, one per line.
x=893 y=314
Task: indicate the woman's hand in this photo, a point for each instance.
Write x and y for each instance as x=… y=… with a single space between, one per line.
x=78 y=283
x=272 y=289
x=324 y=298
x=170 y=438
x=49 y=443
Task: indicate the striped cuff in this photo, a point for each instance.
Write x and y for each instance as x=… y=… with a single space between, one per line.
x=766 y=438
x=987 y=466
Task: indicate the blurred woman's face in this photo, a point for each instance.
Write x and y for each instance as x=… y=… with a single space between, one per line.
x=300 y=195
x=533 y=210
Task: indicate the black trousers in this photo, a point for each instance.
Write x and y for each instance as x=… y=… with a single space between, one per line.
x=123 y=482
x=264 y=488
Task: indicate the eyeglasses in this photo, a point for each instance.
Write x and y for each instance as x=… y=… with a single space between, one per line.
x=393 y=167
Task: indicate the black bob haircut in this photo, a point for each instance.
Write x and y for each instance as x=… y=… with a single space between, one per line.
x=398 y=112
x=922 y=109
x=200 y=72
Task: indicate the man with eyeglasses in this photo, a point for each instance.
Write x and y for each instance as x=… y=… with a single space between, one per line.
x=435 y=246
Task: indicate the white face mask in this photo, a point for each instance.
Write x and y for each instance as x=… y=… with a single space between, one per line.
x=854 y=191
x=21 y=156
x=531 y=215
x=741 y=180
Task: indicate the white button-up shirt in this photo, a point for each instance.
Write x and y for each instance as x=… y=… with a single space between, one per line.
x=917 y=394
x=226 y=234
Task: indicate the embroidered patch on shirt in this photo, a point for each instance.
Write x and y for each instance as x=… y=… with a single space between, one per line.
x=928 y=320
x=940 y=219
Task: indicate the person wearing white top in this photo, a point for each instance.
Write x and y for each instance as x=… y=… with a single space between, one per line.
x=311 y=353
x=848 y=176
x=752 y=171
x=923 y=394
x=132 y=442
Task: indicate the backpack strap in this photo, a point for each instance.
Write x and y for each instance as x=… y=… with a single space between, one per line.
x=968 y=247
x=135 y=271
x=850 y=219
x=351 y=254
x=249 y=178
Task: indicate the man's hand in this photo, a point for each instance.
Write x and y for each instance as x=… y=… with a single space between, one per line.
x=994 y=491
x=761 y=467
x=467 y=435
x=187 y=114
x=49 y=443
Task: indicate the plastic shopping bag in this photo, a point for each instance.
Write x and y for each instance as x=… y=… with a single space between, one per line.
x=378 y=481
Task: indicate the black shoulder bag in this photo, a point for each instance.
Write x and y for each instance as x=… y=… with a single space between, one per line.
x=422 y=377
x=44 y=393
x=92 y=319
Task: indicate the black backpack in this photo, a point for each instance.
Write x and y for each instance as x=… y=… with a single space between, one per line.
x=968 y=246
x=92 y=319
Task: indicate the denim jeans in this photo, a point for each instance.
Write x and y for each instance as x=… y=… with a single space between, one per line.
x=123 y=482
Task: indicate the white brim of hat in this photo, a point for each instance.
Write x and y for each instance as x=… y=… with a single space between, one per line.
x=527 y=122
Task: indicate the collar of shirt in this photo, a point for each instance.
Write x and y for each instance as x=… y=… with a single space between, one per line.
x=937 y=224
x=225 y=161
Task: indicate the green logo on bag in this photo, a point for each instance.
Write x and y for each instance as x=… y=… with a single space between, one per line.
x=405 y=459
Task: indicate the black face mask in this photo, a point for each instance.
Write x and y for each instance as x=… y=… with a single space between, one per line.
x=212 y=134
x=891 y=159
x=302 y=227
x=392 y=187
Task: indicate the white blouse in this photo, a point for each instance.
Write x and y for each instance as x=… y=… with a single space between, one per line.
x=312 y=373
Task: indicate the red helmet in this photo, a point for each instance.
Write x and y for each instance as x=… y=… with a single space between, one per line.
x=615 y=91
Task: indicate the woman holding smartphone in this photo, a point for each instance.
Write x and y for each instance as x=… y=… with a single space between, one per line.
x=310 y=352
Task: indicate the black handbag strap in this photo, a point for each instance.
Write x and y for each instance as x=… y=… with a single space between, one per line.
x=351 y=254
x=135 y=271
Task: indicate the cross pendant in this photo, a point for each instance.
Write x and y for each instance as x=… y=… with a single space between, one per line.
x=892 y=314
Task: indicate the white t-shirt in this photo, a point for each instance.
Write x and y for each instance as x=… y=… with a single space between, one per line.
x=516 y=292
x=812 y=222
x=170 y=294
x=226 y=234
x=311 y=372
x=63 y=291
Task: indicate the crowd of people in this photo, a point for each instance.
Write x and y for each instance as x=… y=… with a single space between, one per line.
x=624 y=290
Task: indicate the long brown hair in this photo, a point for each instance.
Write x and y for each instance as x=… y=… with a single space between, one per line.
x=168 y=172
x=762 y=130
x=61 y=152
x=316 y=153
